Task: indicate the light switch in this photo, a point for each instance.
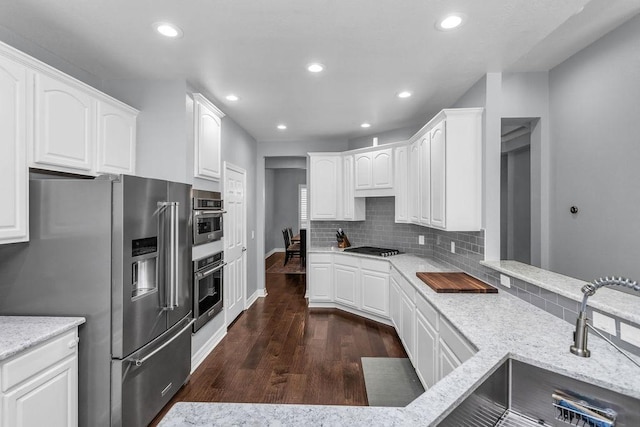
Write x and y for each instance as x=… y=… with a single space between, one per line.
x=421 y=239
x=453 y=247
x=253 y=234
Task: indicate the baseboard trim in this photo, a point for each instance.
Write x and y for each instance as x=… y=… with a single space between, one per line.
x=208 y=347
x=338 y=306
x=273 y=251
x=260 y=293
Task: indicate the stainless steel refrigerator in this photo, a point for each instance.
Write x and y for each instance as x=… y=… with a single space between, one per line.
x=118 y=252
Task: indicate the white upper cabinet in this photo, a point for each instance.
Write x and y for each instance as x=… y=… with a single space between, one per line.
x=116 y=153
x=207 y=136
x=364 y=174
x=401 y=169
x=449 y=170
x=14 y=215
x=437 y=175
x=374 y=172
x=353 y=209
x=64 y=125
x=331 y=191
x=425 y=180
x=325 y=186
x=414 y=182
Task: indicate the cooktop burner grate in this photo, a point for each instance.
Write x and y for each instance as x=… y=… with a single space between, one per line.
x=372 y=250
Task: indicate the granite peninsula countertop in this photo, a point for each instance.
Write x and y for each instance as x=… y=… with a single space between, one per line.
x=500 y=326
x=19 y=333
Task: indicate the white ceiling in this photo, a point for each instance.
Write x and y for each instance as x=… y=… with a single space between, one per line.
x=372 y=49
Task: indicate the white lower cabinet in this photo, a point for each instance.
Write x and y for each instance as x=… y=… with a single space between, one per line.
x=447 y=361
x=345 y=280
x=374 y=278
x=407 y=322
x=40 y=385
x=394 y=302
x=320 y=280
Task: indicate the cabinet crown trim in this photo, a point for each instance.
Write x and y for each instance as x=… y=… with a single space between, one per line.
x=198 y=97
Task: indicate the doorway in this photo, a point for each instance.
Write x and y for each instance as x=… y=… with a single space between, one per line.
x=515 y=190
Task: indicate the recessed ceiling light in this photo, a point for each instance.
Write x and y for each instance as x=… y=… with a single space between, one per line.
x=282 y=127
x=168 y=30
x=450 y=22
x=232 y=97
x=365 y=125
x=404 y=94
x=315 y=67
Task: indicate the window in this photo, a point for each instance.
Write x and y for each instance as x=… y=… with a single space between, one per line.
x=302 y=207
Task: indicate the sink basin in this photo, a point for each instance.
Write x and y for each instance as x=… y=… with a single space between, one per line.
x=519 y=394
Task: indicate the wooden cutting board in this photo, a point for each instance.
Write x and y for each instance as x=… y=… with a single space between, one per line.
x=455 y=283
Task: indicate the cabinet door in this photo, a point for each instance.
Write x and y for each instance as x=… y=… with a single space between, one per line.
x=116 y=140
x=414 y=182
x=426 y=350
x=401 y=171
x=347 y=188
x=64 y=125
x=438 y=169
x=425 y=181
x=394 y=302
x=382 y=168
x=345 y=279
x=14 y=215
x=363 y=171
x=448 y=361
x=407 y=314
x=207 y=138
x=375 y=292
x=320 y=280
x=323 y=189
x=50 y=398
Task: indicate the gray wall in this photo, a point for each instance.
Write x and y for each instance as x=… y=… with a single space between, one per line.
x=282 y=207
x=270 y=239
x=387 y=137
x=595 y=106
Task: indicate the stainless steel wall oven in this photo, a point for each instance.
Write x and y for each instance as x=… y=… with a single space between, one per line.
x=208 y=276
x=208 y=208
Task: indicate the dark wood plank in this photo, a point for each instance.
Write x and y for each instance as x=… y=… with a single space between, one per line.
x=280 y=351
x=455 y=283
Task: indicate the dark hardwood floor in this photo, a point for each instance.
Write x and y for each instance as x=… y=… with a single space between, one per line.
x=280 y=351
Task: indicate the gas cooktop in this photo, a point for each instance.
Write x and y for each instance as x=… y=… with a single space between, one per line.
x=371 y=250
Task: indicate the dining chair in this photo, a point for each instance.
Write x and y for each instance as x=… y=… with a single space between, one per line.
x=291 y=249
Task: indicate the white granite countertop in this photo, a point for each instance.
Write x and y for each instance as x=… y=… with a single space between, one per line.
x=606 y=299
x=19 y=333
x=500 y=325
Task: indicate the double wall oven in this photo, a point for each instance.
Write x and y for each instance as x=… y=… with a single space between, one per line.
x=208 y=270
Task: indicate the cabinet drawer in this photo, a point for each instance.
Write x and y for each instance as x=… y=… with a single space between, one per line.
x=427 y=310
x=375 y=265
x=349 y=260
x=35 y=360
x=320 y=258
x=458 y=345
x=407 y=288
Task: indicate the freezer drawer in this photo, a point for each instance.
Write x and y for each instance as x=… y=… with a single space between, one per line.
x=144 y=382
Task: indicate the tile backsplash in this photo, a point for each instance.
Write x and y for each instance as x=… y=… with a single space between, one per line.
x=380 y=229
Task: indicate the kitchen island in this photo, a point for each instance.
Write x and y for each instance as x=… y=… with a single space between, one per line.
x=500 y=326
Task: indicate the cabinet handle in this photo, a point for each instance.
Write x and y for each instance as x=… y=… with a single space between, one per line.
x=73 y=343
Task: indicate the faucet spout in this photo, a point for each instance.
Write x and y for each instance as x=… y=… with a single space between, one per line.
x=579 y=347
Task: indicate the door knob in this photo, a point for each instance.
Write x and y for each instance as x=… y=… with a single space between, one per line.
x=244 y=249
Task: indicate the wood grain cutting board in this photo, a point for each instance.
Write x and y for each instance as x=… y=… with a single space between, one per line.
x=455 y=283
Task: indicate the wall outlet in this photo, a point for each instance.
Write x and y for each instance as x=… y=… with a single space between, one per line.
x=421 y=239
x=604 y=323
x=630 y=334
x=453 y=247
x=438 y=242
x=505 y=281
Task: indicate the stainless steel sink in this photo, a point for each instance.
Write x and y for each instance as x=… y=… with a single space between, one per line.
x=519 y=394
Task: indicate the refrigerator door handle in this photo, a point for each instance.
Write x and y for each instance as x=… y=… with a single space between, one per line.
x=172 y=273
x=139 y=362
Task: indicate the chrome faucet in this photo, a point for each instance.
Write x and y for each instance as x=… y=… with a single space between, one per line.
x=579 y=346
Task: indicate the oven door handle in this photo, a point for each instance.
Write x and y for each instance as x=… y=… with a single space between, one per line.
x=202 y=212
x=201 y=275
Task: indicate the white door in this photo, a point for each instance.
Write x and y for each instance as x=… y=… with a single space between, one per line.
x=235 y=240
